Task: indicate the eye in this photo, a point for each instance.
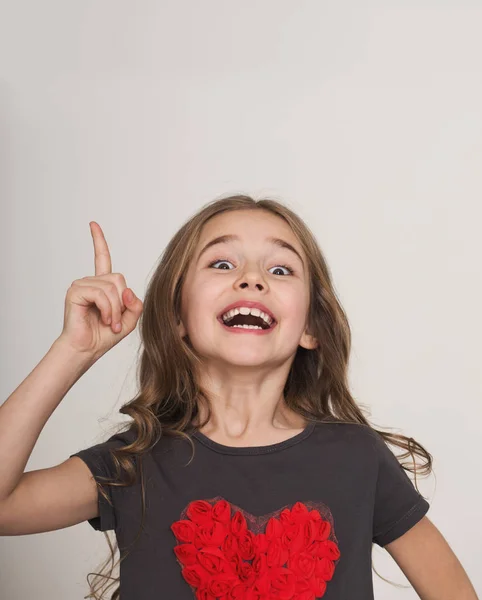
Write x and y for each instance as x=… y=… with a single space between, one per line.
x=289 y=269
x=223 y=260
x=220 y=260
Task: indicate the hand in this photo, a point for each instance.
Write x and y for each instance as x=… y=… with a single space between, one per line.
x=94 y=305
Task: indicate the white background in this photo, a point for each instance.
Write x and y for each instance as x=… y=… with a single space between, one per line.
x=365 y=120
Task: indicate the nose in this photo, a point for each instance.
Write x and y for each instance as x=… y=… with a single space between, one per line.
x=245 y=285
x=251 y=280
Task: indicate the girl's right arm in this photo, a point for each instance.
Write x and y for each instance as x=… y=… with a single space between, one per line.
x=45 y=499
x=66 y=494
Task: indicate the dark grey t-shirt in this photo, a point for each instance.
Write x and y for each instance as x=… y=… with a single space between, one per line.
x=294 y=519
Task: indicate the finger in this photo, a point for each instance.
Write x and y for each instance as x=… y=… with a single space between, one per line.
x=102 y=259
x=90 y=294
x=109 y=288
x=133 y=310
x=116 y=278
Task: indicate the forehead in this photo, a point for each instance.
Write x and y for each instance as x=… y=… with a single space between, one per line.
x=250 y=225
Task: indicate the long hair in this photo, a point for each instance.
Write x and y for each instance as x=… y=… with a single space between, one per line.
x=169 y=395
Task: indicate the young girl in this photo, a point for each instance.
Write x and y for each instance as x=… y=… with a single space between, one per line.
x=247 y=470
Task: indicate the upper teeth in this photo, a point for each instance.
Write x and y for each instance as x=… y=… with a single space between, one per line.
x=244 y=310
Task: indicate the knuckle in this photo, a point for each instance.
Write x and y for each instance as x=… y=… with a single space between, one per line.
x=119 y=278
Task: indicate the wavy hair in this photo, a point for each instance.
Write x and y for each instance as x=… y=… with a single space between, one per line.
x=169 y=395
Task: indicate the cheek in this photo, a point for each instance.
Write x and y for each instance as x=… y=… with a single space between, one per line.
x=200 y=303
x=297 y=324
x=293 y=307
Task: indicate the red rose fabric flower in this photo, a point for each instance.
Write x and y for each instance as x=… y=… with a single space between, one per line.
x=224 y=558
x=186 y=554
x=184 y=530
x=238 y=524
x=211 y=533
x=246 y=545
x=200 y=511
x=222 y=512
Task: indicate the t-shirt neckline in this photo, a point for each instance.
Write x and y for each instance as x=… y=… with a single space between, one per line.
x=248 y=450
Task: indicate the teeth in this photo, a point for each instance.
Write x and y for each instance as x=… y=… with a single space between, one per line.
x=248 y=326
x=244 y=310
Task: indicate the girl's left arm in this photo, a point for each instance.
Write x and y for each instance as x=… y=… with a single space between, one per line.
x=428 y=562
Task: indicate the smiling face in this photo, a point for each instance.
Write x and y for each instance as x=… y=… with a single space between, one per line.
x=259 y=260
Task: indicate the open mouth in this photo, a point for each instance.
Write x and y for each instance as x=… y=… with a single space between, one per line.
x=247 y=319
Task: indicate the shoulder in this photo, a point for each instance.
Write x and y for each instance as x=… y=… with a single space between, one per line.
x=352 y=441
x=355 y=440
x=345 y=432
x=122 y=437
x=100 y=452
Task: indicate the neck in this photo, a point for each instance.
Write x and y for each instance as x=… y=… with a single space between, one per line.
x=246 y=404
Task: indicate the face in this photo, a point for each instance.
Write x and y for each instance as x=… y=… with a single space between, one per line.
x=248 y=268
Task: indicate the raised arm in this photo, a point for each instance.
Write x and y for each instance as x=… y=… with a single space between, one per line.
x=60 y=496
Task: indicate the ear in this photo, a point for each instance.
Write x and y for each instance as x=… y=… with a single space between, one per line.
x=180 y=327
x=308 y=341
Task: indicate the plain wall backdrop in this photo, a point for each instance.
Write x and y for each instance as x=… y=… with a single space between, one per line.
x=366 y=120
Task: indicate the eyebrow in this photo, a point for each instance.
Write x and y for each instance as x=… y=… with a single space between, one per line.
x=223 y=239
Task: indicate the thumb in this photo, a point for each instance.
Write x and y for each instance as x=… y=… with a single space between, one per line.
x=133 y=309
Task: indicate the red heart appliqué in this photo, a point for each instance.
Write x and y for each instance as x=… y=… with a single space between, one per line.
x=222 y=558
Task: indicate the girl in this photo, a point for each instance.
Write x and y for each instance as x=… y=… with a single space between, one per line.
x=247 y=470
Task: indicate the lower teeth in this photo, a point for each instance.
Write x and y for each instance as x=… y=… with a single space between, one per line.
x=248 y=326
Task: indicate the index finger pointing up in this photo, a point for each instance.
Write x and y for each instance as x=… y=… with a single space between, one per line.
x=103 y=263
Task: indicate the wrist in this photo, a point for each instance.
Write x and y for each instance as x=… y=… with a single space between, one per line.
x=62 y=348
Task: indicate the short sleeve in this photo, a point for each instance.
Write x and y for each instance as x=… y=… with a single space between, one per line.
x=398 y=504
x=100 y=463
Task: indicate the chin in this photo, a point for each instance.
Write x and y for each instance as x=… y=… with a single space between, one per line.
x=242 y=359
